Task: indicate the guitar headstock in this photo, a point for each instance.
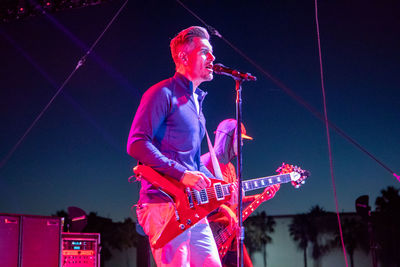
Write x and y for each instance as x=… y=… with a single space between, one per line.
x=297 y=174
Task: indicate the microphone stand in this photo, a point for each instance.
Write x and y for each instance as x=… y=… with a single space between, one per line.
x=240 y=228
x=239 y=78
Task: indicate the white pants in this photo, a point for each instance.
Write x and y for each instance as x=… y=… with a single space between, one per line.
x=195 y=247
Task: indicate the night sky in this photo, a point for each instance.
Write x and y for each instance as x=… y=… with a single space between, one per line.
x=76 y=153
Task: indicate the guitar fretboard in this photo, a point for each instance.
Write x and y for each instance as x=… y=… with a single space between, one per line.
x=262 y=182
x=265 y=181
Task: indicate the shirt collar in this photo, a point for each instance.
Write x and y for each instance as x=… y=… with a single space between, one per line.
x=188 y=85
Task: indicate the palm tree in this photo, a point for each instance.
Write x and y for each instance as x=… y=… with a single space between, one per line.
x=322 y=223
x=299 y=230
x=389 y=201
x=387 y=221
x=257 y=236
x=252 y=240
x=308 y=229
x=355 y=235
x=266 y=224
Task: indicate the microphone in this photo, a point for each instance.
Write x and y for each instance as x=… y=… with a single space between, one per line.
x=218 y=68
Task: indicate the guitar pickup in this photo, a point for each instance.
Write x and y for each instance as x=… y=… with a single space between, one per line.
x=218 y=191
x=201 y=196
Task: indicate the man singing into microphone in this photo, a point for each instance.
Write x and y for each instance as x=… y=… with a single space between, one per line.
x=166 y=135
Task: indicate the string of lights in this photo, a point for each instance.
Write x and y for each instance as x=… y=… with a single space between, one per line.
x=22 y=9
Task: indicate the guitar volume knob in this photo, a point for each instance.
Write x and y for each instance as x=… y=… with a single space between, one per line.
x=182 y=226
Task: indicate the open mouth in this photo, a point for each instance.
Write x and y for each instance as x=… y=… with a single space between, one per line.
x=209 y=67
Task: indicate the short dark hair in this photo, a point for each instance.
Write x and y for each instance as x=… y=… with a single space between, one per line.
x=185 y=37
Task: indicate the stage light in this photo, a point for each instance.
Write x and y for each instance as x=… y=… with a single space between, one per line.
x=47 y=4
x=21 y=7
x=17 y=9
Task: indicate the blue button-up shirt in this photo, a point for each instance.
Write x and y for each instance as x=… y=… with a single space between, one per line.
x=167 y=131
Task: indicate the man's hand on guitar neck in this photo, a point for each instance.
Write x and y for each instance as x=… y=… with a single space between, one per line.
x=195 y=180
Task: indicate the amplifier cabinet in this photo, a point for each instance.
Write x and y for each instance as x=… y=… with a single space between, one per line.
x=9 y=240
x=41 y=239
x=80 y=250
x=30 y=240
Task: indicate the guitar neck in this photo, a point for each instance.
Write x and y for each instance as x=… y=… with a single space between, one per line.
x=262 y=182
x=253 y=205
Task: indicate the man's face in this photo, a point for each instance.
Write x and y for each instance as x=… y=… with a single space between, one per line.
x=199 y=59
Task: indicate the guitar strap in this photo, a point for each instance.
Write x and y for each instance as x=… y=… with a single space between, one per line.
x=214 y=160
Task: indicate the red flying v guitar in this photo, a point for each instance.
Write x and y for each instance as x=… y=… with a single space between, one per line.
x=192 y=205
